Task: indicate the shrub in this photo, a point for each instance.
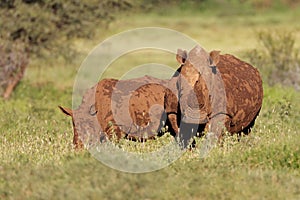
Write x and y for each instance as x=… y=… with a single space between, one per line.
x=46 y=27
x=13 y=62
x=277 y=58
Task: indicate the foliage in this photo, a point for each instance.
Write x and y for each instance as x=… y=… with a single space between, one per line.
x=219 y=7
x=278 y=58
x=46 y=26
x=13 y=62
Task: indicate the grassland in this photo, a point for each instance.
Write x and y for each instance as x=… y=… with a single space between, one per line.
x=37 y=160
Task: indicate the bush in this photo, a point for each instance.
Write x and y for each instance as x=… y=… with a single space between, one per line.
x=13 y=62
x=45 y=26
x=277 y=58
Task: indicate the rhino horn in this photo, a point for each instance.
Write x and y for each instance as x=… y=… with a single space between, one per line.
x=198 y=55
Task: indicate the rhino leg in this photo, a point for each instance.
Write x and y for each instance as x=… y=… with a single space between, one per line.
x=173 y=121
x=186 y=134
x=217 y=125
x=172 y=110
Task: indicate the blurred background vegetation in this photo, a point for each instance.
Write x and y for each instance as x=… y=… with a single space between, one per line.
x=46 y=29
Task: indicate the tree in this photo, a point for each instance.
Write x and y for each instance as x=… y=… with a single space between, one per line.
x=45 y=27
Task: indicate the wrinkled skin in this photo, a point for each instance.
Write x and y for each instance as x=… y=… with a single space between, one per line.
x=127 y=108
x=215 y=92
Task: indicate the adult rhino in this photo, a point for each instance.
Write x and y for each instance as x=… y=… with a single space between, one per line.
x=133 y=109
x=213 y=92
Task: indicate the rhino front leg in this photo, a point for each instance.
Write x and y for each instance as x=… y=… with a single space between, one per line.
x=172 y=109
x=172 y=117
x=186 y=134
x=215 y=129
x=216 y=125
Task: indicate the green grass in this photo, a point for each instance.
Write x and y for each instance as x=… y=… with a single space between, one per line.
x=36 y=156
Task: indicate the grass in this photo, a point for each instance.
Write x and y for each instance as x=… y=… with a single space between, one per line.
x=36 y=156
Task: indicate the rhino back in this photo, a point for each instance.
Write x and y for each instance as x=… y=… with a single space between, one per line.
x=146 y=107
x=244 y=92
x=118 y=103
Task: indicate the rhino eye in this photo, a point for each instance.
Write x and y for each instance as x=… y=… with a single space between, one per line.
x=93 y=110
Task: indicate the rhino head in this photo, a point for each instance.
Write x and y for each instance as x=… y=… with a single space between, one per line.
x=85 y=124
x=195 y=85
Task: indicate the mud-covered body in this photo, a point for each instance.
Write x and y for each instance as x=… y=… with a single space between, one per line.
x=123 y=108
x=209 y=91
x=215 y=92
x=244 y=92
x=131 y=108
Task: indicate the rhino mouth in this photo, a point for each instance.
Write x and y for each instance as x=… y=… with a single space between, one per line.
x=195 y=116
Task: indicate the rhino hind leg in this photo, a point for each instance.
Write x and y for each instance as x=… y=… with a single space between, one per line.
x=248 y=129
x=170 y=124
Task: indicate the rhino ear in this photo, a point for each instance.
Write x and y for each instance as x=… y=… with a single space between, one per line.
x=214 y=58
x=66 y=111
x=181 y=56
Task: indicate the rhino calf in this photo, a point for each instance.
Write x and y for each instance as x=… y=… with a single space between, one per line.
x=123 y=108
